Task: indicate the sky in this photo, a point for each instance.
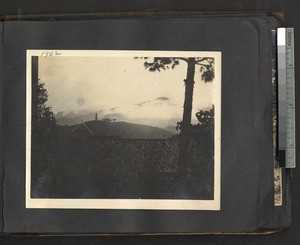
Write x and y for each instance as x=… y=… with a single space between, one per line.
x=120 y=85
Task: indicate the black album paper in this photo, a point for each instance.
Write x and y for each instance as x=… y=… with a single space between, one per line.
x=140 y=124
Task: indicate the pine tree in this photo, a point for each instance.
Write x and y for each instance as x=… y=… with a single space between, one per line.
x=206 y=69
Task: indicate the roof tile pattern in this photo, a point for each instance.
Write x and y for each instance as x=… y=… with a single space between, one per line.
x=146 y=156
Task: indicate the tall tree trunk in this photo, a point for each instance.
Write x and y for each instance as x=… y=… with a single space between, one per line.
x=34 y=96
x=186 y=122
x=188 y=97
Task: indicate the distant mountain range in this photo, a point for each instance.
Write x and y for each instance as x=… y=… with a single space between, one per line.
x=117 y=129
x=160 y=112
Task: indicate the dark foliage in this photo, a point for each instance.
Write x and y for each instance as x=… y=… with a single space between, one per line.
x=202 y=130
x=207 y=69
x=206 y=119
x=44 y=124
x=159 y=64
x=106 y=120
x=207 y=65
x=208 y=74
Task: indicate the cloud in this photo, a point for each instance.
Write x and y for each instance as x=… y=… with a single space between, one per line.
x=119 y=85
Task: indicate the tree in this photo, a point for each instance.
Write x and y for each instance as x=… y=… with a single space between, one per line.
x=107 y=120
x=43 y=120
x=206 y=119
x=203 y=132
x=206 y=69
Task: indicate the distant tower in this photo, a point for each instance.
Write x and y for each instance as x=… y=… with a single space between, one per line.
x=96 y=117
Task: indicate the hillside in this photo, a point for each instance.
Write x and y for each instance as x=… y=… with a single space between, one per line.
x=72 y=118
x=171 y=129
x=119 y=129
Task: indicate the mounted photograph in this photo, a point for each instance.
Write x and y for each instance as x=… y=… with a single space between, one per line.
x=114 y=129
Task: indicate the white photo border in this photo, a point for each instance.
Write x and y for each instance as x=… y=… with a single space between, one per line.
x=144 y=204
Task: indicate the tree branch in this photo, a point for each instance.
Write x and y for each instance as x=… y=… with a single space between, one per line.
x=184 y=59
x=204 y=58
x=207 y=66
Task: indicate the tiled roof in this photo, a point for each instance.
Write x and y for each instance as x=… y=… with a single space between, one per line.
x=147 y=156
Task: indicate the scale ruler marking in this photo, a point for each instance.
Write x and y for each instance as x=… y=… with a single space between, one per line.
x=286 y=97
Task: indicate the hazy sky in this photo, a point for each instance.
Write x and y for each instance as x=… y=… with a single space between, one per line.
x=99 y=83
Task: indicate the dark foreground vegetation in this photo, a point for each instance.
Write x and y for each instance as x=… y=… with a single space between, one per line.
x=89 y=166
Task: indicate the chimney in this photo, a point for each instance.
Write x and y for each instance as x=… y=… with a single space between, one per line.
x=96 y=117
